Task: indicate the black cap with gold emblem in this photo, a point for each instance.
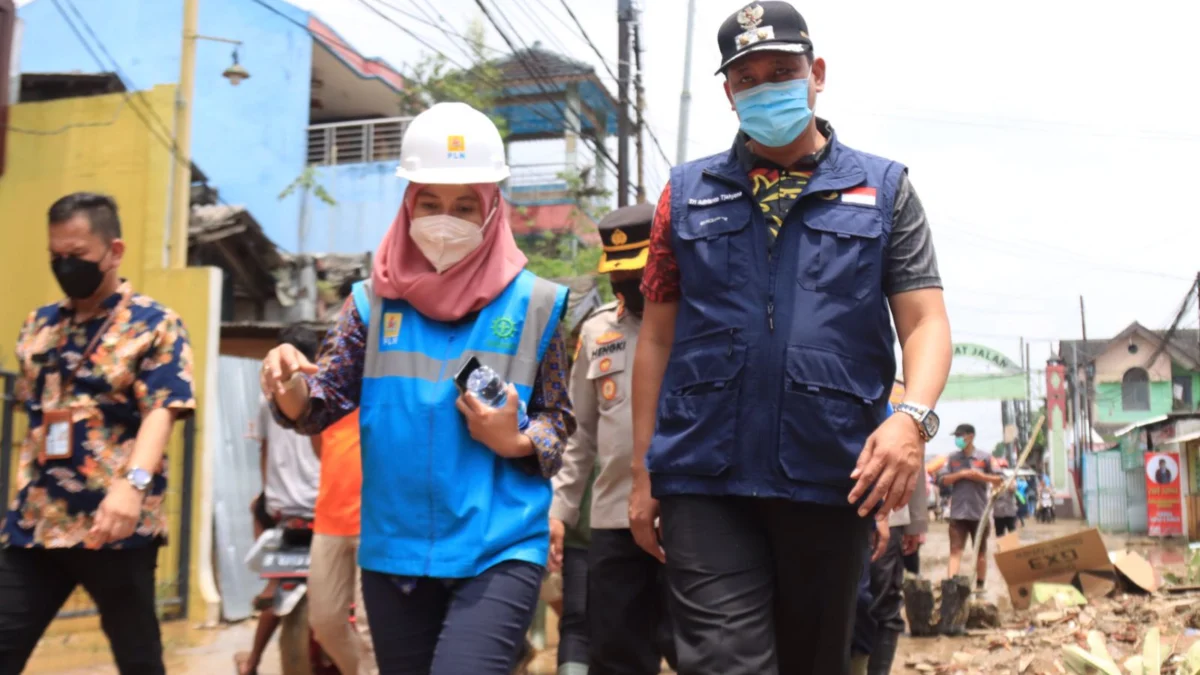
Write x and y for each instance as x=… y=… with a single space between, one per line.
x=625 y=234
x=761 y=26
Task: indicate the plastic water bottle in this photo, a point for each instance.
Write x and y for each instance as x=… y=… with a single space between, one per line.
x=489 y=387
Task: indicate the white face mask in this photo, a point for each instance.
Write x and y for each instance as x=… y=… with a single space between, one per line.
x=444 y=239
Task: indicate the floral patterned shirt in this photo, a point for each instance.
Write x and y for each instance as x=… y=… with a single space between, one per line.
x=141 y=363
x=335 y=390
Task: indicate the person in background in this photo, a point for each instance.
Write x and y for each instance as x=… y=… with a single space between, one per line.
x=104 y=375
x=456 y=489
x=334 y=580
x=569 y=558
x=1022 y=496
x=291 y=474
x=900 y=536
x=1004 y=513
x=628 y=626
x=1045 y=499
x=863 y=638
x=969 y=475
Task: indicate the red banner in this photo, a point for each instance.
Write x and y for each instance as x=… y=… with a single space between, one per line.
x=1164 y=510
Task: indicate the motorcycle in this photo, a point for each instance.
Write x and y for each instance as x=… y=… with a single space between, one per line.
x=283 y=554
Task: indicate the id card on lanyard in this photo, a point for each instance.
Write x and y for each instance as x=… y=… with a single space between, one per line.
x=57 y=425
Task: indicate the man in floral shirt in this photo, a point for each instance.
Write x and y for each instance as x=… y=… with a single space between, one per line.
x=105 y=373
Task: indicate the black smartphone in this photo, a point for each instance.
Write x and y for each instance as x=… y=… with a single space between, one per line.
x=460 y=380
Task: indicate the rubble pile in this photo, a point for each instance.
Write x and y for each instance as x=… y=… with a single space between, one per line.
x=1127 y=634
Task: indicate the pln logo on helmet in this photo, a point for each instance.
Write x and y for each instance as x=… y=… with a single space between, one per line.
x=456 y=147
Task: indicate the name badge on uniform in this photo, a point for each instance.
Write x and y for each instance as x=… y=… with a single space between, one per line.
x=56 y=435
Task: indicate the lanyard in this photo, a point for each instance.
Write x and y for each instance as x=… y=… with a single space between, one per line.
x=69 y=379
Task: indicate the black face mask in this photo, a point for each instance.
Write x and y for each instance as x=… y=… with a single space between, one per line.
x=77 y=277
x=630 y=291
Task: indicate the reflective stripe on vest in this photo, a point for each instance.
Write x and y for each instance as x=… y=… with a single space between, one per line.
x=540 y=312
x=435 y=502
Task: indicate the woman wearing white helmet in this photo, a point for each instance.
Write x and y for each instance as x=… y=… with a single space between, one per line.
x=455 y=492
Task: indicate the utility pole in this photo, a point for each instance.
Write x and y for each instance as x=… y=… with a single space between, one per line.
x=1028 y=385
x=1087 y=391
x=1022 y=409
x=641 y=120
x=181 y=165
x=685 y=97
x=624 y=14
x=1077 y=398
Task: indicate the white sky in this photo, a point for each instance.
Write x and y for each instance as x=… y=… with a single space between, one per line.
x=1052 y=143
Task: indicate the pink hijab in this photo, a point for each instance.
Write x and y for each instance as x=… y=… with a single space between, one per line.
x=401 y=271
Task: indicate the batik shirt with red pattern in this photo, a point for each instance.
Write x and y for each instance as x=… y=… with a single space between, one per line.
x=142 y=362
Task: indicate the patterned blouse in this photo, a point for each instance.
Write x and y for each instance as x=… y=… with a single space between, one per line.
x=143 y=362
x=335 y=390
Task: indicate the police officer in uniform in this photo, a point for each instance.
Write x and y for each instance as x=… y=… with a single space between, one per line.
x=627 y=626
x=764 y=364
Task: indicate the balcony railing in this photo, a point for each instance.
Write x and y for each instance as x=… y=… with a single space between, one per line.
x=356 y=142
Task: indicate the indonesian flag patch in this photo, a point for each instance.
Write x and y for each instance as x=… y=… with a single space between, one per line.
x=863 y=196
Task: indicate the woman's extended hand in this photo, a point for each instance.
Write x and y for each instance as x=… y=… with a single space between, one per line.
x=496 y=427
x=280 y=379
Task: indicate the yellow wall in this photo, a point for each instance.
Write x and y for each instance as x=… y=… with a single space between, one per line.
x=110 y=150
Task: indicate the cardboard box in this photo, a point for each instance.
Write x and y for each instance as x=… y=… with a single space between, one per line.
x=1078 y=559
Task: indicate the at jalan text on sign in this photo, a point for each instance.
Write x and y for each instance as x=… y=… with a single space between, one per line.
x=985 y=354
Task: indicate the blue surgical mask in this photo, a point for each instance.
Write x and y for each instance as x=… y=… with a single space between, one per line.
x=960 y=442
x=776 y=113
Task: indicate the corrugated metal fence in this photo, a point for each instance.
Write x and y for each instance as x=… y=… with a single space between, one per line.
x=239 y=482
x=1114 y=498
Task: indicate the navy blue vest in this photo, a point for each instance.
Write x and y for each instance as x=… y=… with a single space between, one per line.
x=782 y=363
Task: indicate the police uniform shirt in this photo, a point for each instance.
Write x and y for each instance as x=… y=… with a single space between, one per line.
x=600 y=391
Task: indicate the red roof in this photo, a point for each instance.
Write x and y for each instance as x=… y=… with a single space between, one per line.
x=366 y=67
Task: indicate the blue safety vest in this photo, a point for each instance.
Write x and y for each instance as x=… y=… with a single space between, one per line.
x=435 y=502
x=783 y=358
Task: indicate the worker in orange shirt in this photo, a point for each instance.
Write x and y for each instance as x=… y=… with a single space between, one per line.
x=334 y=581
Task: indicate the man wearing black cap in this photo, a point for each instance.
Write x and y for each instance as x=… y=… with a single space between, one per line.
x=765 y=362
x=628 y=629
x=970 y=477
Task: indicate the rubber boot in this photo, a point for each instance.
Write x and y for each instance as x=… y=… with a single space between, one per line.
x=884 y=653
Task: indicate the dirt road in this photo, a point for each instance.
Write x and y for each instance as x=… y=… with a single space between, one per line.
x=217 y=647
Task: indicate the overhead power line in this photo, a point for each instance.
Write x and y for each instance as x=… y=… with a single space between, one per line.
x=588 y=39
x=599 y=148
x=1184 y=308
x=132 y=91
x=467 y=69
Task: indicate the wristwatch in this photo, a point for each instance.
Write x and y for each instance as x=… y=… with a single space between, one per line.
x=927 y=420
x=140 y=479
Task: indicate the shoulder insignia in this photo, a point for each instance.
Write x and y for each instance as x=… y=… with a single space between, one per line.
x=610 y=336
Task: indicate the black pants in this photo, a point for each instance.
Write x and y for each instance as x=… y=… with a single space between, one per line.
x=426 y=626
x=762 y=587
x=34 y=584
x=1005 y=524
x=887 y=603
x=628 y=621
x=573 y=624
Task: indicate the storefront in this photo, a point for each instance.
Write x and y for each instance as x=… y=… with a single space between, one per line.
x=1163 y=453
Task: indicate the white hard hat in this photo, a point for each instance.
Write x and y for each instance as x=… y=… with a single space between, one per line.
x=452 y=144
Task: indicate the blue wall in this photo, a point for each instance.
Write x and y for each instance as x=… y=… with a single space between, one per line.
x=250 y=140
x=368 y=197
